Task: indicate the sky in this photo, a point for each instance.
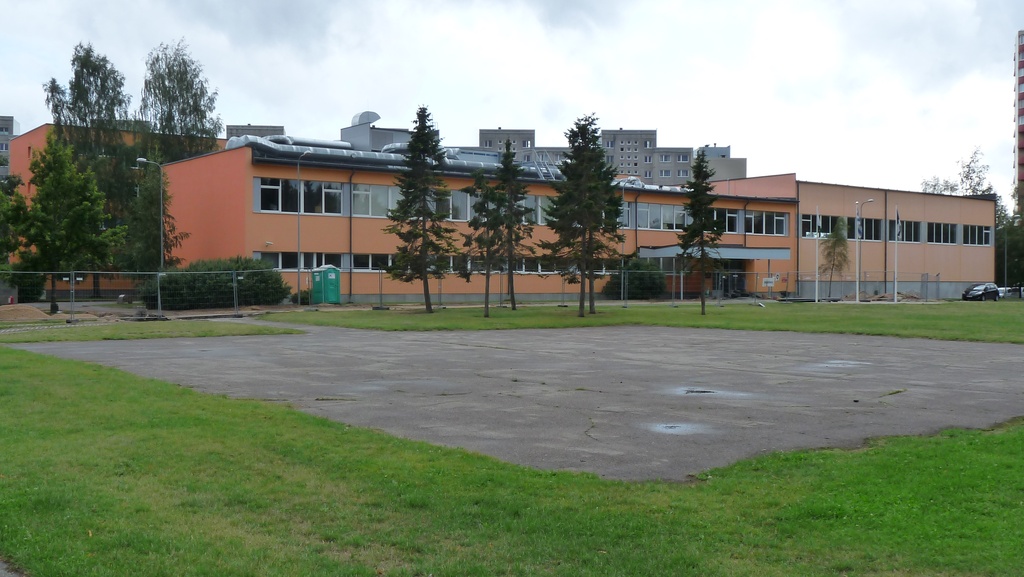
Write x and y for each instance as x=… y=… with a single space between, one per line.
x=877 y=93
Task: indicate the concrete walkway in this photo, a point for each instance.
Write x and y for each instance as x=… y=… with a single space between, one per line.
x=622 y=402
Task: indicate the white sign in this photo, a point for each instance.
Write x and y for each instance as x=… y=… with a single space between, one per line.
x=768 y=282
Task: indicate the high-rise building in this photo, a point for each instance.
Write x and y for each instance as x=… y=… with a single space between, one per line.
x=1018 y=152
x=8 y=130
x=631 y=152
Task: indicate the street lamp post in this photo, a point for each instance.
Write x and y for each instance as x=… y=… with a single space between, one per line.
x=160 y=270
x=298 y=229
x=624 y=289
x=857 y=226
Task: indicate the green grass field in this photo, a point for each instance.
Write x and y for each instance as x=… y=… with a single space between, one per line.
x=103 y=473
x=968 y=321
x=103 y=331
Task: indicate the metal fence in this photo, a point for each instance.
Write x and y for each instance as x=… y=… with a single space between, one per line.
x=146 y=293
x=142 y=293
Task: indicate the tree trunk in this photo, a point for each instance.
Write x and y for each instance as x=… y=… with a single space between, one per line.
x=593 y=304
x=426 y=294
x=511 y=275
x=487 y=292
x=583 y=292
x=703 y=301
x=54 y=309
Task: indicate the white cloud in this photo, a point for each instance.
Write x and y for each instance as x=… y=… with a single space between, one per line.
x=876 y=92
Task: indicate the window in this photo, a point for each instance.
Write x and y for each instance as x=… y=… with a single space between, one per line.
x=807 y=225
x=648 y=159
x=322 y=197
x=648 y=174
x=872 y=229
x=278 y=195
x=280 y=259
x=537 y=206
x=666 y=158
x=4 y=130
x=488 y=144
x=975 y=235
x=683 y=173
x=458 y=205
x=665 y=173
x=526 y=144
x=371 y=261
x=610 y=159
x=683 y=158
x=910 y=231
x=768 y=223
x=729 y=218
x=373 y=199
x=648 y=144
x=624 y=215
x=4 y=146
x=941 y=233
x=609 y=144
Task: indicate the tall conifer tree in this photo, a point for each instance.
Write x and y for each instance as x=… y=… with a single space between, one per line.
x=585 y=213
x=699 y=242
x=419 y=218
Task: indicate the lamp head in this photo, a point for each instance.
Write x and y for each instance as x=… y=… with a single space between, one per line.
x=140 y=159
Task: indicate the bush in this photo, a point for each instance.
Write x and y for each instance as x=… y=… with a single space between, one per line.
x=644 y=280
x=30 y=285
x=210 y=284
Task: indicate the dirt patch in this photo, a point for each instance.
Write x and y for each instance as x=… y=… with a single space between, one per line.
x=22 y=313
x=31 y=313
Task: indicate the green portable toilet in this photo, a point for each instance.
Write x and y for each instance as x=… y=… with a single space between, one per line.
x=327 y=285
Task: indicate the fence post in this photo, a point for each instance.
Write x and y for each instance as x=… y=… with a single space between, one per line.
x=624 y=279
x=71 y=318
x=234 y=290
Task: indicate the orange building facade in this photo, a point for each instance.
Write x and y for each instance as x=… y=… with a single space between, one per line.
x=245 y=201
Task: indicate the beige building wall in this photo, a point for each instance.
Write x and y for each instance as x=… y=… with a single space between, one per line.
x=954 y=243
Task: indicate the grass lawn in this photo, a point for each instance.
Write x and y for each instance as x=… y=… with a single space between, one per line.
x=968 y=321
x=102 y=331
x=105 y=473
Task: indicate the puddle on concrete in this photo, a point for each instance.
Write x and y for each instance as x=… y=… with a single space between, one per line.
x=834 y=364
x=679 y=428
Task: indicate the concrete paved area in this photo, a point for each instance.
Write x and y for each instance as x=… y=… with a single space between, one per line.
x=622 y=402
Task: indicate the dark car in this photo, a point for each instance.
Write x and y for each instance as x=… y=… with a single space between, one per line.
x=982 y=291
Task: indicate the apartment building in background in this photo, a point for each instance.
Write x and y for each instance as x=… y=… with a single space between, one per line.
x=8 y=130
x=1018 y=132
x=631 y=152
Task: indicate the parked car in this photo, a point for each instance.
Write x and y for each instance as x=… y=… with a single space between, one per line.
x=982 y=291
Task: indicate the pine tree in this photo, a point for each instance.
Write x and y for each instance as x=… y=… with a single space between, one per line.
x=419 y=217
x=699 y=242
x=515 y=222
x=585 y=213
x=485 y=242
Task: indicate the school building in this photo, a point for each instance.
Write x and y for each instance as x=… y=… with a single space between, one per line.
x=301 y=204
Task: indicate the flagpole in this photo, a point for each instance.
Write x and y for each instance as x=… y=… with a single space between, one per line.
x=896 y=261
x=817 y=250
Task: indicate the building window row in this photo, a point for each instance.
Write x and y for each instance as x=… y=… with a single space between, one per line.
x=765 y=222
x=909 y=231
